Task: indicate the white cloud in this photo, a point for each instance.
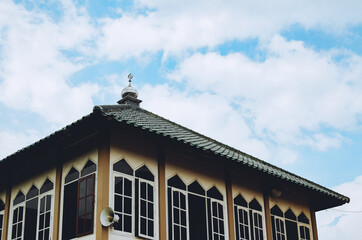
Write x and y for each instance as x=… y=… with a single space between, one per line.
x=34 y=72
x=13 y=141
x=174 y=27
x=343 y=222
x=290 y=97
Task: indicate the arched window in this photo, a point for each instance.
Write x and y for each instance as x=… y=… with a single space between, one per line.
x=45 y=210
x=288 y=225
x=134 y=188
x=242 y=223
x=18 y=216
x=194 y=213
x=291 y=224
x=197 y=217
x=177 y=208
x=303 y=224
x=216 y=213
x=29 y=219
x=248 y=219
x=31 y=212
x=278 y=224
x=78 y=204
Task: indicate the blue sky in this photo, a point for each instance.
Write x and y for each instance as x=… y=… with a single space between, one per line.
x=279 y=80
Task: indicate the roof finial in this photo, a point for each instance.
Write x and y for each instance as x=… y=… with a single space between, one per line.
x=130 y=76
x=130 y=94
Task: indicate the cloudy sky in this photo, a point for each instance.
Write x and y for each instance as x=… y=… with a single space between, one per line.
x=281 y=80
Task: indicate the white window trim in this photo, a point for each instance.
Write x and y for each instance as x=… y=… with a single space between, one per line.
x=133 y=178
x=275 y=225
x=300 y=224
x=262 y=221
x=130 y=178
x=237 y=218
x=22 y=204
x=186 y=209
x=50 y=192
x=141 y=180
x=212 y=216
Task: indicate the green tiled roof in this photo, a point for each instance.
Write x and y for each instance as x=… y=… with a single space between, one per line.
x=148 y=121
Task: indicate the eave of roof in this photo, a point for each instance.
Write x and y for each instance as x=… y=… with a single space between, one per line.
x=147 y=121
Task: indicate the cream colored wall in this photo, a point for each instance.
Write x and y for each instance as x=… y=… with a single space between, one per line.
x=293 y=201
x=137 y=152
x=25 y=187
x=78 y=162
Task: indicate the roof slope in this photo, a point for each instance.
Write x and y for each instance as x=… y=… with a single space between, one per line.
x=148 y=121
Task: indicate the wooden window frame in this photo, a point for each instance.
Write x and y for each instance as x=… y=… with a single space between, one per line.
x=84 y=178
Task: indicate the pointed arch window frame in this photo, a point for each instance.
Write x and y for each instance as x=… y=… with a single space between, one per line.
x=76 y=177
x=303 y=228
x=46 y=192
x=139 y=219
x=210 y=200
x=278 y=223
x=18 y=216
x=29 y=204
x=254 y=231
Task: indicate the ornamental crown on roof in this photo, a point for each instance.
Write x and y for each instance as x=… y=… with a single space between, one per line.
x=130 y=94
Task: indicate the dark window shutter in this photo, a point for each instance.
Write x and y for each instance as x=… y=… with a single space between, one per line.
x=291 y=230
x=31 y=216
x=197 y=217
x=236 y=223
x=70 y=211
